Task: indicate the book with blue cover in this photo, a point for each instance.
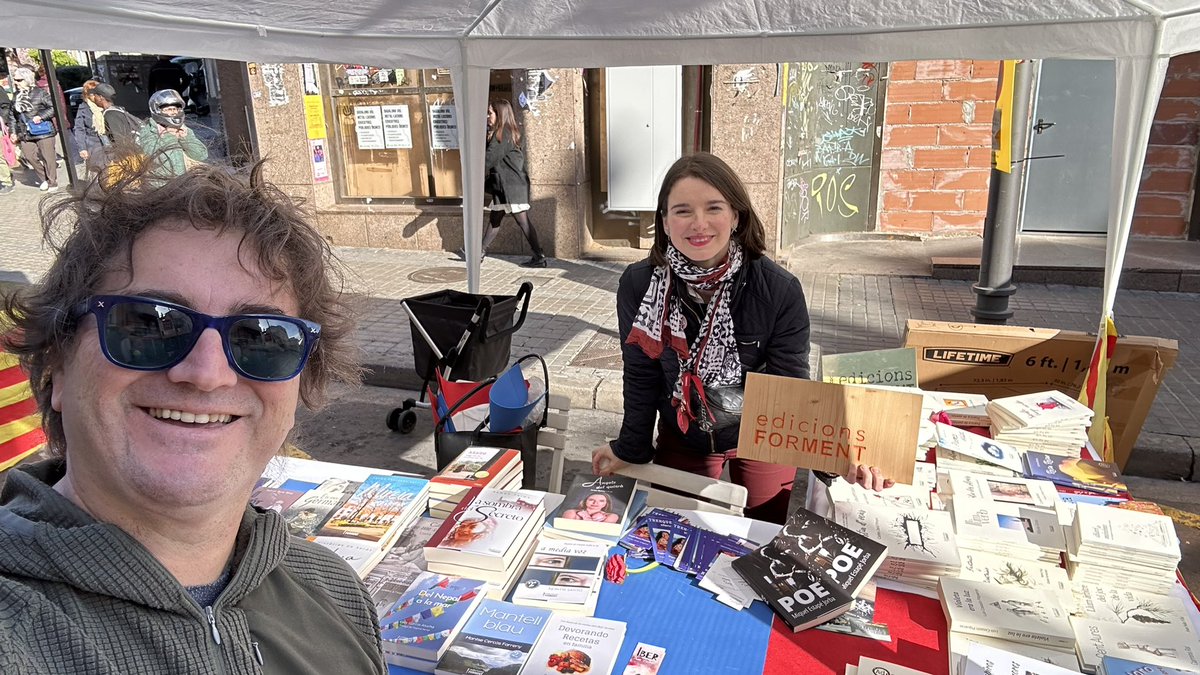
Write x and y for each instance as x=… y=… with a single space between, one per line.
x=422 y=621
x=1073 y=472
x=496 y=640
x=1111 y=665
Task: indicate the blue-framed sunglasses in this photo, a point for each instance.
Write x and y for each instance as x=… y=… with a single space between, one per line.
x=147 y=334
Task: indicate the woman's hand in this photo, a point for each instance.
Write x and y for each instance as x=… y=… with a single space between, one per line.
x=869 y=477
x=604 y=462
x=37 y=119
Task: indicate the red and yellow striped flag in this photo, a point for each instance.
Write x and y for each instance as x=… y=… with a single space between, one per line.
x=20 y=424
x=1095 y=389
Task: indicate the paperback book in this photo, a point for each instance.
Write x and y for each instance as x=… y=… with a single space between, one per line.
x=960 y=645
x=496 y=640
x=487 y=529
x=422 y=621
x=571 y=644
x=1047 y=408
x=645 y=660
x=979 y=447
x=401 y=565
x=596 y=504
x=562 y=575
x=1006 y=612
x=1168 y=646
x=274 y=499
x=377 y=508
x=1111 y=665
x=1073 y=472
x=983 y=659
x=800 y=596
x=307 y=514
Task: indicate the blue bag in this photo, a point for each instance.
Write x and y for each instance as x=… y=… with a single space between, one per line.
x=43 y=128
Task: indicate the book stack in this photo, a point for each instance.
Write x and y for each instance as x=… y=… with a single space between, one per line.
x=966 y=485
x=1048 y=421
x=1007 y=529
x=1119 y=547
x=571 y=644
x=476 y=467
x=812 y=570
x=489 y=536
x=972 y=416
x=564 y=576
x=921 y=544
x=1009 y=613
x=1116 y=604
x=402 y=564
x=356 y=512
x=497 y=639
x=419 y=626
x=1163 y=646
x=1008 y=571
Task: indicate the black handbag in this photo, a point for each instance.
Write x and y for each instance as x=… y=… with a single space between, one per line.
x=724 y=408
x=447 y=445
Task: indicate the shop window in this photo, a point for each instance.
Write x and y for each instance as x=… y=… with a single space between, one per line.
x=395 y=132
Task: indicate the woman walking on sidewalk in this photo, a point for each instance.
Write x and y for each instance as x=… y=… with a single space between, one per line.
x=33 y=113
x=507 y=182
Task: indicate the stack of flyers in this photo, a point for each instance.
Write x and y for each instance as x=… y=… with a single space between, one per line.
x=670 y=539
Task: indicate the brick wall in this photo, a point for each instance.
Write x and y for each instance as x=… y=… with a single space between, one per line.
x=937 y=144
x=1165 y=200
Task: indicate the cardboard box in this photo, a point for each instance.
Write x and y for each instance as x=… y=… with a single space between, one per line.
x=1008 y=360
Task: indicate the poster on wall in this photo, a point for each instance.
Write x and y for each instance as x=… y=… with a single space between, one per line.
x=272 y=77
x=368 y=127
x=443 y=126
x=314 y=116
x=320 y=161
x=397 y=129
x=357 y=76
x=311 y=86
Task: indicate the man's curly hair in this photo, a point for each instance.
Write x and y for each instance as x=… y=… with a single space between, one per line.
x=92 y=234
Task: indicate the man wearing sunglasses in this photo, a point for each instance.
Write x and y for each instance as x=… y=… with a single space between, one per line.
x=168 y=347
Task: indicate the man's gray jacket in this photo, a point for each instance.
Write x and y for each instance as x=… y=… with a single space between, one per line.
x=80 y=596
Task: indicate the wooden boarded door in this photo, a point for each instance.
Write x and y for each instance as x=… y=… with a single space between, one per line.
x=832 y=118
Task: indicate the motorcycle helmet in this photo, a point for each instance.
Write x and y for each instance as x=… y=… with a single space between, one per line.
x=163 y=99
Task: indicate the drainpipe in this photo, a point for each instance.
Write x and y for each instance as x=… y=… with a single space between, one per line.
x=60 y=115
x=1004 y=212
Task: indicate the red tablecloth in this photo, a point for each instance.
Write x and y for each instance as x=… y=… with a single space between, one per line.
x=918 y=629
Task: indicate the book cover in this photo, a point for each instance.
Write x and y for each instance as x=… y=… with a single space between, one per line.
x=1111 y=665
x=921 y=535
x=376 y=507
x=1006 y=612
x=1004 y=527
x=1030 y=492
x=297 y=485
x=983 y=659
x=576 y=645
x=496 y=640
x=306 y=515
x=360 y=554
x=1037 y=410
x=982 y=448
x=486 y=528
x=801 y=597
x=402 y=564
x=1083 y=474
x=1010 y=571
x=421 y=621
x=1167 y=646
x=887 y=367
x=846 y=557
x=1106 y=527
x=477 y=466
x=562 y=575
x=969 y=416
x=870 y=666
x=645 y=660
x=274 y=499
x=596 y=504
x=860 y=619
x=1124 y=605
x=960 y=646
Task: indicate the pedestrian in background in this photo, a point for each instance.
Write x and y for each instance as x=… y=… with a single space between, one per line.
x=91 y=134
x=33 y=117
x=8 y=138
x=165 y=139
x=507 y=180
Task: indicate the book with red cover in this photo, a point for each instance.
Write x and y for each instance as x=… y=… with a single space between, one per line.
x=475 y=467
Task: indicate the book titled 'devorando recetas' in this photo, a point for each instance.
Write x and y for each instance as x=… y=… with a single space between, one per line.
x=598 y=504
x=571 y=644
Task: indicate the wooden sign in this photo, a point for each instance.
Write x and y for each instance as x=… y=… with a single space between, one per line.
x=886 y=367
x=828 y=427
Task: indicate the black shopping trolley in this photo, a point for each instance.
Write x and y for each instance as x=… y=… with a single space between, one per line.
x=464 y=336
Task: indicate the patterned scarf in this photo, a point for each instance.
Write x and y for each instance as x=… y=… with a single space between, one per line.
x=97 y=117
x=712 y=359
x=23 y=103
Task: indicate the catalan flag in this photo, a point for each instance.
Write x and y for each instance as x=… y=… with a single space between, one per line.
x=20 y=424
x=1095 y=389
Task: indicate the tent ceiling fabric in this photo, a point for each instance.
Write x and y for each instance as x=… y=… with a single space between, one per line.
x=470 y=36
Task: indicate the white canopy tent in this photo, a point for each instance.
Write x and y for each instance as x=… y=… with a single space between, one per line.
x=473 y=36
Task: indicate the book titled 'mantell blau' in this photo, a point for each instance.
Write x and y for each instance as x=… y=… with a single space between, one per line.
x=812 y=570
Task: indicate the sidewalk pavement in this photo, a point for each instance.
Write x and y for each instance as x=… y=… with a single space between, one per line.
x=860 y=294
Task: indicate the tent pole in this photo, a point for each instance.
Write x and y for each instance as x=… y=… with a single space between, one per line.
x=60 y=115
x=1003 y=213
